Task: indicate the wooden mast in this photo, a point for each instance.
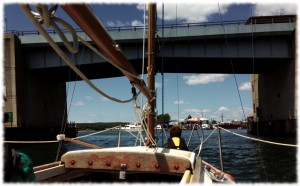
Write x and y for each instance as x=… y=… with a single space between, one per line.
x=91 y=25
x=151 y=69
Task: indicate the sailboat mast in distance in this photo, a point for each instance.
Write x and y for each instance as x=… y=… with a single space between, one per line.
x=151 y=69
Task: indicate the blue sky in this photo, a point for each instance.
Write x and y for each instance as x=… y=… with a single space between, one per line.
x=207 y=95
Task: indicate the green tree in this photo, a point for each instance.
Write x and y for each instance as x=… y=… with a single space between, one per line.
x=189 y=117
x=163 y=118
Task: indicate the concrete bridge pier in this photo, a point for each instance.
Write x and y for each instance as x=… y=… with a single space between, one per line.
x=274 y=101
x=32 y=101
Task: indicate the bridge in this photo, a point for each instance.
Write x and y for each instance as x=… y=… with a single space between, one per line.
x=187 y=48
x=265 y=49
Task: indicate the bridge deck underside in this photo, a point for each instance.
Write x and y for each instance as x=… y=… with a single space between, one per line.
x=170 y=65
x=238 y=53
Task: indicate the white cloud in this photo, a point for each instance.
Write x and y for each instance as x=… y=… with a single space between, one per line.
x=88 y=97
x=192 y=111
x=137 y=23
x=235 y=113
x=79 y=103
x=267 y=9
x=196 y=79
x=200 y=12
x=141 y=7
x=179 y=102
x=119 y=23
x=245 y=86
x=197 y=12
x=223 y=109
x=197 y=112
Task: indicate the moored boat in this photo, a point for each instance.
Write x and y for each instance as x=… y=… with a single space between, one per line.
x=131 y=127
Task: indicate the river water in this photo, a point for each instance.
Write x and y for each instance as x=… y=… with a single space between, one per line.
x=246 y=160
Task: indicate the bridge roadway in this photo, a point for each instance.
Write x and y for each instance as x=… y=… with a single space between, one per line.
x=251 y=49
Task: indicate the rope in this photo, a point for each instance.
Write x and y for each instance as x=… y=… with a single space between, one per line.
x=141 y=116
x=265 y=141
x=54 y=141
x=26 y=10
x=82 y=143
x=139 y=120
x=106 y=59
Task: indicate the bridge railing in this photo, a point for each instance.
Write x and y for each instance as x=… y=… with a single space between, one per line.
x=259 y=20
x=135 y=28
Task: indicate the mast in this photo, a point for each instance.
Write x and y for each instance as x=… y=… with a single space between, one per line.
x=151 y=69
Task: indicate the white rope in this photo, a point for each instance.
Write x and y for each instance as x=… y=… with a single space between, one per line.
x=55 y=141
x=137 y=118
x=143 y=59
x=141 y=116
x=255 y=139
x=27 y=11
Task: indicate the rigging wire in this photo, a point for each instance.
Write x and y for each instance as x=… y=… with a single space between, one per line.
x=256 y=79
x=72 y=96
x=144 y=38
x=162 y=75
x=177 y=84
x=74 y=87
x=64 y=123
x=253 y=86
x=230 y=59
x=227 y=45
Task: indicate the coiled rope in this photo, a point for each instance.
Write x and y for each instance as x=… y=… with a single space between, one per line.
x=74 y=49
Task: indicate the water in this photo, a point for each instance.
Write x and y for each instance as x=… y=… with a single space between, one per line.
x=248 y=161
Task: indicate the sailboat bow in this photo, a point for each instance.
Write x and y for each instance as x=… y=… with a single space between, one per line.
x=129 y=164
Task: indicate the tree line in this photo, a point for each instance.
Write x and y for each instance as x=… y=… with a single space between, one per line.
x=98 y=126
x=161 y=119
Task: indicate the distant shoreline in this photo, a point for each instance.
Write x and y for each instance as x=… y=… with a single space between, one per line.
x=86 y=130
